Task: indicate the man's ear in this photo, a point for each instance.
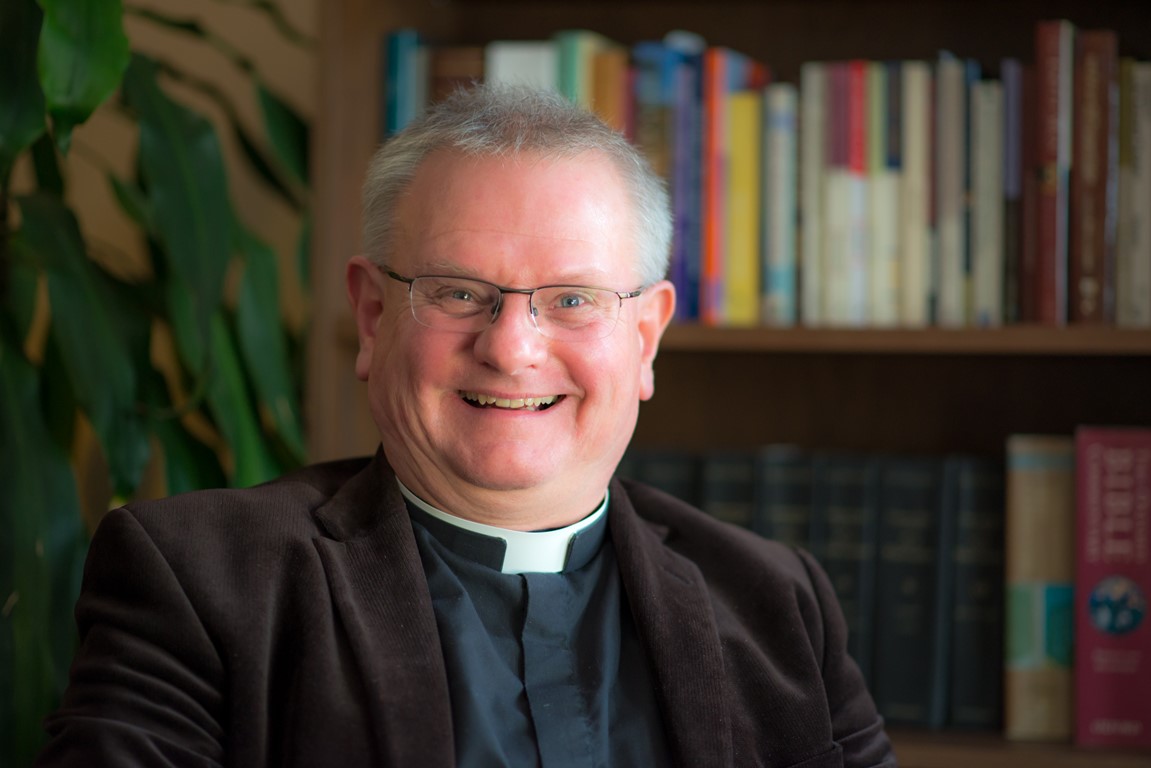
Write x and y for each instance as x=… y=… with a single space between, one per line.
x=657 y=305
x=367 y=299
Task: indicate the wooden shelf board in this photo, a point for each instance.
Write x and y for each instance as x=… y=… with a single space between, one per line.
x=1011 y=340
x=945 y=749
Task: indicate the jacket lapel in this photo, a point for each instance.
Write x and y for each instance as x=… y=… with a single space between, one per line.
x=378 y=587
x=677 y=627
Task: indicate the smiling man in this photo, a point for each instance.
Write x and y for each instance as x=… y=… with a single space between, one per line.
x=483 y=591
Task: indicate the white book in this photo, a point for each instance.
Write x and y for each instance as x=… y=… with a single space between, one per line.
x=883 y=196
x=987 y=258
x=421 y=65
x=951 y=278
x=780 y=303
x=836 y=233
x=858 y=287
x=534 y=63
x=846 y=223
x=812 y=179
x=914 y=196
x=1133 y=254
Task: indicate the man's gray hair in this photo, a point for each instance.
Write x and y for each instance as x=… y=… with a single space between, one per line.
x=501 y=121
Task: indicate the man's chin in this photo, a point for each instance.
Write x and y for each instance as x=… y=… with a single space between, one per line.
x=507 y=479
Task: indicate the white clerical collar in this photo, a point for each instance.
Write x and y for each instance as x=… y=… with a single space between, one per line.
x=525 y=551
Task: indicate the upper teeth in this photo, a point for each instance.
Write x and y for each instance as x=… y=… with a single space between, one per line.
x=503 y=402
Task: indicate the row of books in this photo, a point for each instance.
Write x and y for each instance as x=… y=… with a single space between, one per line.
x=870 y=193
x=957 y=573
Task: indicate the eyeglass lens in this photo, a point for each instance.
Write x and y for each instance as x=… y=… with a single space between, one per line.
x=561 y=312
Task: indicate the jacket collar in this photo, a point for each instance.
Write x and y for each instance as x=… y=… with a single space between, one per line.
x=380 y=593
x=677 y=627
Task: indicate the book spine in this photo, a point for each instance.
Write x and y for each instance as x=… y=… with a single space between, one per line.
x=915 y=237
x=713 y=190
x=610 y=93
x=1133 y=267
x=883 y=159
x=531 y=63
x=1054 y=58
x=676 y=472
x=401 y=47
x=950 y=192
x=986 y=242
x=728 y=487
x=783 y=495
x=744 y=209
x=781 y=284
x=844 y=530
x=858 y=256
x=1011 y=75
x=1112 y=584
x=1028 y=285
x=686 y=183
x=974 y=488
x=906 y=681
x=1038 y=576
x=813 y=88
x=1094 y=179
x=836 y=271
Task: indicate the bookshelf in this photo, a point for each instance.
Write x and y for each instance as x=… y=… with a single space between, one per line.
x=883 y=390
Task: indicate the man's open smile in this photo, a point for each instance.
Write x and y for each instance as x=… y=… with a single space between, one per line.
x=478 y=400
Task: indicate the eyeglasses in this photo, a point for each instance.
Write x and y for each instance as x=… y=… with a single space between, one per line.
x=465 y=305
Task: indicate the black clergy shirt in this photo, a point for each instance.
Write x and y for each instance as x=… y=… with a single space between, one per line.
x=544 y=668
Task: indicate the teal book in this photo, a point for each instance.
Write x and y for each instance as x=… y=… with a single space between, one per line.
x=974 y=496
x=911 y=639
x=783 y=495
x=674 y=472
x=728 y=486
x=844 y=520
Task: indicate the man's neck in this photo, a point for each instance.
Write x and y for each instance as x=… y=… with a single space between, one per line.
x=536 y=509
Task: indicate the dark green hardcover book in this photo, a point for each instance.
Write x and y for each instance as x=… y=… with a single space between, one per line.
x=728 y=490
x=675 y=472
x=844 y=519
x=783 y=495
x=910 y=639
x=975 y=496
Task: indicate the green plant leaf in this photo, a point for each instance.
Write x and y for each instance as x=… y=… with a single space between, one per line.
x=235 y=413
x=20 y=303
x=191 y=341
x=57 y=395
x=262 y=338
x=43 y=536
x=189 y=464
x=304 y=252
x=93 y=345
x=47 y=166
x=132 y=201
x=22 y=114
x=83 y=55
x=287 y=133
x=186 y=184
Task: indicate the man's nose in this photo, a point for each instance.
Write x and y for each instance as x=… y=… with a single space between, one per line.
x=512 y=342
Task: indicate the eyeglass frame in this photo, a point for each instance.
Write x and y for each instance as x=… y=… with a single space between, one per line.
x=501 y=291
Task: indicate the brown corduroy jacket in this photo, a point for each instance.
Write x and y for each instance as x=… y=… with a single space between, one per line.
x=290 y=625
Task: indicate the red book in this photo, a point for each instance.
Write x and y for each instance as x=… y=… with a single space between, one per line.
x=1054 y=59
x=1028 y=285
x=724 y=71
x=1112 y=583
x=713 y=166
x=1094 y=179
